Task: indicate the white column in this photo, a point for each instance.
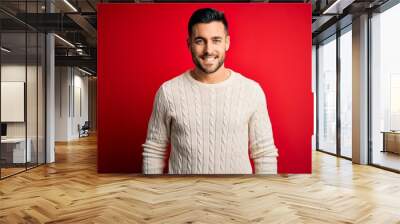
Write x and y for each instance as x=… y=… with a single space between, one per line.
x=360 y=89
x=50 y=92
x=50 y=100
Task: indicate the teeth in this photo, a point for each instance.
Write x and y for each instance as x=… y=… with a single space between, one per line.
x=208 y=59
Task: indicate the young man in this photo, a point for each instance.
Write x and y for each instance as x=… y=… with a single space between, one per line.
x=209 y=113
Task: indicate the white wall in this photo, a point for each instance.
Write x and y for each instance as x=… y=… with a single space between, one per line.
x=62 y=78
x=92 y=109
x=71 y=93
x=81 y=84
x=16 y=73
x=33 y=127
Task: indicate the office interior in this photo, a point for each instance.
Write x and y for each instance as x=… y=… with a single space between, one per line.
x=48 y=77
x=49 y=83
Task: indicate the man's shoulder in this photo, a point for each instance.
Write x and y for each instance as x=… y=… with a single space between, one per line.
x=246 y=81
x=251 y=86
x=171 y=83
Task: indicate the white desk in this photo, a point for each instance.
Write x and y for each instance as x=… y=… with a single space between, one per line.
x=18 y=149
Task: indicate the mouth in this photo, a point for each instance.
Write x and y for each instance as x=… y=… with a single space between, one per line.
x=209 y=59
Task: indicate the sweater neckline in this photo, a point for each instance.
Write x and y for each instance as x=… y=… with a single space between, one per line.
x=227 y=81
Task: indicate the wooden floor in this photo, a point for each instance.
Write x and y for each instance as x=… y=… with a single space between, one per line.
x=5 y=172
x=387 y=159
x=70 y=191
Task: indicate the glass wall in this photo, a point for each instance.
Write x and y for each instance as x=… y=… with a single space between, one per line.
x=41 y=97
x=346 y=92
x=22 y=91
x=13 y=89
x=385 y=88
x=327 y=95
x=334 y=62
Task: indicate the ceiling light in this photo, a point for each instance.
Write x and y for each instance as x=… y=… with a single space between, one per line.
x=338 y=6
x=65 y=41
x=70 y=5
x=84 y=71
x=5 y=50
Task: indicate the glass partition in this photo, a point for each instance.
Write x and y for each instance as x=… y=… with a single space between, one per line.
x=22 y=78
x=32 y=95
x=346 y=93
x=385 y=88
x=14 y=153
x=327 y=95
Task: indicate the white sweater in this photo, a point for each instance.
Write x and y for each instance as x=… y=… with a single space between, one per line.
x=210 y=128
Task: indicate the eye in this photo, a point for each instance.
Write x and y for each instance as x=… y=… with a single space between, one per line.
x=199 y=41
x=217 y=41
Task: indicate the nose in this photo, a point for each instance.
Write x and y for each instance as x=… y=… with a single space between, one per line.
x=208 y=49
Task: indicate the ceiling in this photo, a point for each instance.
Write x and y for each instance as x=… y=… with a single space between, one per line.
x=76 y=22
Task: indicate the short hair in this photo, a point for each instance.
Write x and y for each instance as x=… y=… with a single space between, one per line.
x=206 y=15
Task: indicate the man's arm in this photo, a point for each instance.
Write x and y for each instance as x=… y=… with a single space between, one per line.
x=158 y=134
x=263 y=150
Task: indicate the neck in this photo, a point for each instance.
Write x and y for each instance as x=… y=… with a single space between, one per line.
x=211 y=78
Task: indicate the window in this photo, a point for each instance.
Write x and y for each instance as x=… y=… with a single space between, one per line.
x=22 y=78
x=346 y=93
x=385 y=88
x=327 y=95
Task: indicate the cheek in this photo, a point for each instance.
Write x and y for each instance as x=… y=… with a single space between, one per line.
x=221 y=50
x=197 y=50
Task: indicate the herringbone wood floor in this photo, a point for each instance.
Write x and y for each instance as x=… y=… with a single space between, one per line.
x=71 y=191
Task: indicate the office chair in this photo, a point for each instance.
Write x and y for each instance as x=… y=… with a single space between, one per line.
x=84 y=130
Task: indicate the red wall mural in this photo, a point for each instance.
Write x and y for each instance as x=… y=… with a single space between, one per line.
x=142 y=45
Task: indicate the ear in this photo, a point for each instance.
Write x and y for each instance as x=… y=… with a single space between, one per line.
x=227 y=42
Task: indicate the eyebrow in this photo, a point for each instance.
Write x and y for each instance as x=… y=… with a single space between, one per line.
x=213 y=38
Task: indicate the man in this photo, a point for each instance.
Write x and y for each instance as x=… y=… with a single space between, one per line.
x=210 y=113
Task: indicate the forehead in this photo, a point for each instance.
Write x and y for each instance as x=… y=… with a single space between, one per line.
x=214 y=28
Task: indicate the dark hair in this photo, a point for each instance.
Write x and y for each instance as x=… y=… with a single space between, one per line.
x=206 y=15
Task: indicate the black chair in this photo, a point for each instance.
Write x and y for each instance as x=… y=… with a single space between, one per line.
x=84 y=130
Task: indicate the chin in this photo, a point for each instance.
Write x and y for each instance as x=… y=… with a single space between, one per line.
x=209 y=71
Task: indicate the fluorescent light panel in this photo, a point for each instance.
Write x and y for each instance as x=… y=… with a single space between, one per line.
x=64 y=40
x=338 y=6
x=70 y=5
x=84 y=71
x=5 y=50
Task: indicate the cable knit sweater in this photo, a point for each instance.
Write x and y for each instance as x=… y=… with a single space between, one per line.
x=210 y=128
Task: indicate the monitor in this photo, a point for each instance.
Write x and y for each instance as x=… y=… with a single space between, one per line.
x=3 y=129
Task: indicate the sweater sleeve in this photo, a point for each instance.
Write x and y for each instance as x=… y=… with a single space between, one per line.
x=262 y=147
x=158 y=135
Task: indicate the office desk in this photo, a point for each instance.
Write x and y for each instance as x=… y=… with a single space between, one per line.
x=13 y=150
x=391 y=141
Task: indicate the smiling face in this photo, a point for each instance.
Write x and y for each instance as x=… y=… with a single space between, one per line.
x=208 y=44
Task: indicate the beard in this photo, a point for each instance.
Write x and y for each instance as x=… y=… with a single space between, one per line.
x=208 y=70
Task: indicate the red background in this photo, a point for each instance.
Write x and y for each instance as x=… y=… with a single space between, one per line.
x=142 y=45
